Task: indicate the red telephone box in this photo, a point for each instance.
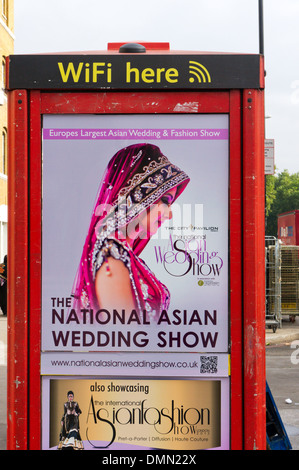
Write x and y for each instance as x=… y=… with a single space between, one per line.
x=197 y=120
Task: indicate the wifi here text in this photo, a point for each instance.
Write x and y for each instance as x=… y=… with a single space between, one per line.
x=98 y=72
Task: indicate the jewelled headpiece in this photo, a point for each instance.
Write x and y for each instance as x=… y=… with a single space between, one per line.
x=150 y=176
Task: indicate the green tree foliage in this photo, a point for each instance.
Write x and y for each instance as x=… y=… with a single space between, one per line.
x=282 y=195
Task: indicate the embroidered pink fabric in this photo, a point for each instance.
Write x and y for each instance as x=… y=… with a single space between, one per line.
x=136 y=177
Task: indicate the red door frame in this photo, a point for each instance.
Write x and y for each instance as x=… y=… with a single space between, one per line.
x=246 y=208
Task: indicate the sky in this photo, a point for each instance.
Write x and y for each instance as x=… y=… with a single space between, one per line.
x=43 y=26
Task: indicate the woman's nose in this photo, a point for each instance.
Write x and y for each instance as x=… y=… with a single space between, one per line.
x=167 y=213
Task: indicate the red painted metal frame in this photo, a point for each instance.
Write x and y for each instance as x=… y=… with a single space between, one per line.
x=254 y=270
x=25 y=247
x=235 y=241
x=17 y=339
x=35 y=274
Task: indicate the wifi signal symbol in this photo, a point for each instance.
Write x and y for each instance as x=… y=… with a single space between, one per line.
x=199 y=71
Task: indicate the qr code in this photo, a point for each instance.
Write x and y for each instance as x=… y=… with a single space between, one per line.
x=208 y=364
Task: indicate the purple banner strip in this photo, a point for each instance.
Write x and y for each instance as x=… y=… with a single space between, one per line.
x=156 y=134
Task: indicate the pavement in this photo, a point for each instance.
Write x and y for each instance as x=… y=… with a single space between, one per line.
x=286 y=334
x=282 y=376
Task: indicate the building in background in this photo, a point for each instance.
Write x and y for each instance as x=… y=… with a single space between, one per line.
x=6 y=48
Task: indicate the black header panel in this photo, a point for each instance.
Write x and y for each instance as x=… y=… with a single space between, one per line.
x=132 y=71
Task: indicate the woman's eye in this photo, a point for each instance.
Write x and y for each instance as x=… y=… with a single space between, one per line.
x=166 y=201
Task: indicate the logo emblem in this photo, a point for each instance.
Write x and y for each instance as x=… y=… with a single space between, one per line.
x=198 y=72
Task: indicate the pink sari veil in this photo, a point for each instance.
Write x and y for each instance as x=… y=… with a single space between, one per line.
x=136 y=177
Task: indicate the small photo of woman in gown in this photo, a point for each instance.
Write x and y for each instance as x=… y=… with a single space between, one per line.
x=134 y=198
x=70 y=438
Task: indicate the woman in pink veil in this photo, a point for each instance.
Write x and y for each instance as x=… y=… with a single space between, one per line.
x=133 y=200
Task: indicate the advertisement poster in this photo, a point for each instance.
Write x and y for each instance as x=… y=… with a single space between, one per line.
x=135 y=234
x=131 y=414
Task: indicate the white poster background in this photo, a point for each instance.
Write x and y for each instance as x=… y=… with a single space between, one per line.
x=72 y=172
